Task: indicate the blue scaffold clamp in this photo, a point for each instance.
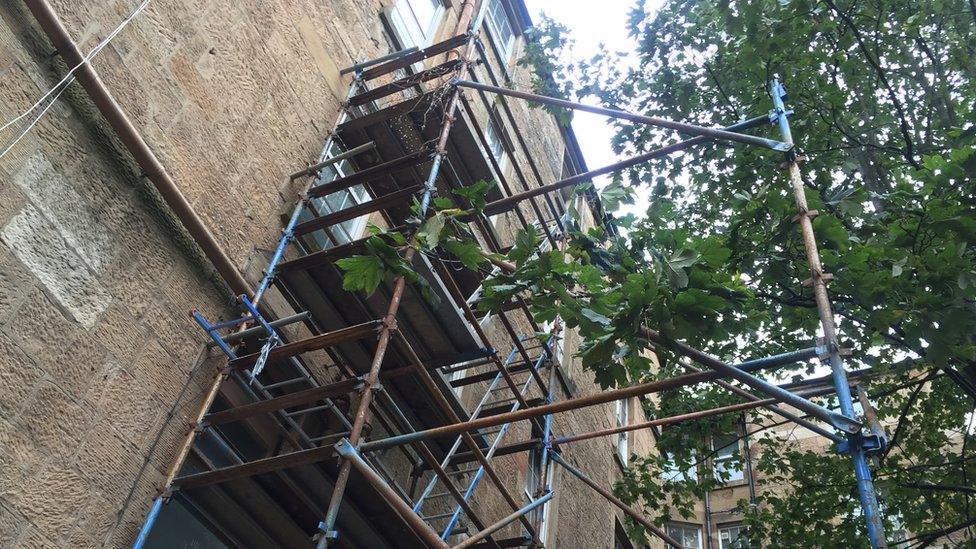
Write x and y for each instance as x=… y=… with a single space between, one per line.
x=252 y=315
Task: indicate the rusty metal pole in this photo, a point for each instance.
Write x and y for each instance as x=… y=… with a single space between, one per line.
x=670 y=420
x=352 y=457
x=818 y=279
x=370 y=383
x=615 y=501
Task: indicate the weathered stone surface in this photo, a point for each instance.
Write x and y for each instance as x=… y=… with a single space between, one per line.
x=52 y=260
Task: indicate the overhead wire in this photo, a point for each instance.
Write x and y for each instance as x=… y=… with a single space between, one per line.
x=58 y=89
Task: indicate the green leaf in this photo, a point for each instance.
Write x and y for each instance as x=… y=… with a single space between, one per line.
x=431 y=230
x=476 y=194
x=362 y=273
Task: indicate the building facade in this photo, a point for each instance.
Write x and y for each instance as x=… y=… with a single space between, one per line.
x=104 y=371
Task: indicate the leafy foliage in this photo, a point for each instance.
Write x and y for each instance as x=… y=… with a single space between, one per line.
x=884 y=98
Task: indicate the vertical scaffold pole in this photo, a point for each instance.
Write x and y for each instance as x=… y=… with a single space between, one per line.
x=327 y=527
x=855 y=441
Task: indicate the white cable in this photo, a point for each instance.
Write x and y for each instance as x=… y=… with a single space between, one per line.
x=34 y=121
x=59 y=88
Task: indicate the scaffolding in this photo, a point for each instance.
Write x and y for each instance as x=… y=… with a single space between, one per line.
x=422 y=356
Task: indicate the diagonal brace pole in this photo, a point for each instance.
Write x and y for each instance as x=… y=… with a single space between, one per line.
x=691 y=129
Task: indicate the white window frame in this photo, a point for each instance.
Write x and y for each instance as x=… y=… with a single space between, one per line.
x=726 y=539
x=622 y=443
x=350 y=230
x=500 y=29
x=722 y=462
x=679 y=531
x=404 y=17
x=494 y=136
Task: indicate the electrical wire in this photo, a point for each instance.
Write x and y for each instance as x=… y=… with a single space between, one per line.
x=63 y=84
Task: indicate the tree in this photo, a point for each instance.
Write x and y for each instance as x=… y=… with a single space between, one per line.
x=884 y=99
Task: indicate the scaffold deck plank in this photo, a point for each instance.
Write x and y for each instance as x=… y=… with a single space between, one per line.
x=411 y=58
x=375 y=205
x=404 y=83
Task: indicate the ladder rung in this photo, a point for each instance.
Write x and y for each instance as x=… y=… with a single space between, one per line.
x=285 y=383
x=309 y=410
x=328 y=436
x=440 y=516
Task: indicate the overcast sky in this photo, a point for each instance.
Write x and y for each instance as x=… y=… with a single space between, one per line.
x=591 y=23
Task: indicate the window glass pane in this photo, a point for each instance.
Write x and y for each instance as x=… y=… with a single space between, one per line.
x=732 y=537
x=500 y=28
x=689 y=536
x=416 y=21
x=727 y=460
x=680 y=473
x=623 y=419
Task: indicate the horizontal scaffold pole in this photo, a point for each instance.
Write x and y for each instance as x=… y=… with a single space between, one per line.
x=539 y=411
x=507 y=203
x=314 y=168
x=670 y=420
x=683 y=127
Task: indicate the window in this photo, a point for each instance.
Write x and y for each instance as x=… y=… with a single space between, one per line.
x=493 y=135
x=500 y=28
x=688 y=534
x=732 y=536
x=623 y=419
x=415 y=21
x=346 y=231
x=532 y=477
x=674 y=472
x=727 y=462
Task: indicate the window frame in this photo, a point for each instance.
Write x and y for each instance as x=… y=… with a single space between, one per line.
x=622 y=441
x=397 y=14
x=506 y=49
x=686 y=527
x=720 y=462
x=349 y=230
x=533 y=473
x=731 y=544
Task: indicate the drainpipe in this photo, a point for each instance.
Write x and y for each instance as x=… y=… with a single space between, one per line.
x=136 y=145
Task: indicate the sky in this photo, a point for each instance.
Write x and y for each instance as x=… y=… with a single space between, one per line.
x=589 y=27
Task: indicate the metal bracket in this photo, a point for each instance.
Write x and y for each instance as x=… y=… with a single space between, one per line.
x=826 y=277
x=871 y=444
x=809 y=213
x=327 y=534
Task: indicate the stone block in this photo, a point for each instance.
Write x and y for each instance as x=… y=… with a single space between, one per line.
x=52 y=500
x=18 y=377
x=55 y=264
x=55 y=421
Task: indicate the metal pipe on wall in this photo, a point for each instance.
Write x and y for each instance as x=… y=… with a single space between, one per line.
x=137 y=147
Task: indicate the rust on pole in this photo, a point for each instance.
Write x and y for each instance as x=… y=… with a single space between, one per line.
x=742 y=406
x=615 y=501
x=345 y=449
